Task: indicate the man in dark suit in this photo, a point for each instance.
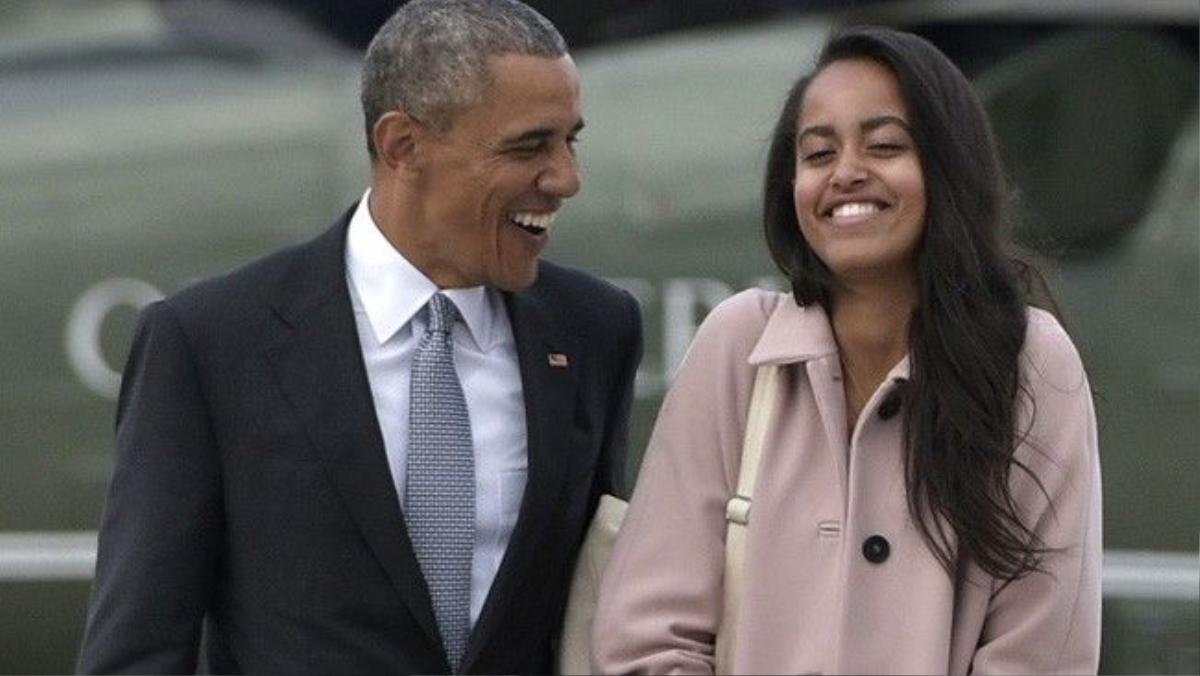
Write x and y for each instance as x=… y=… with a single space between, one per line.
x=273 y=422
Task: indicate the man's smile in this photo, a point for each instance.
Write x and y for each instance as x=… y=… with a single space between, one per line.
x=532 y=222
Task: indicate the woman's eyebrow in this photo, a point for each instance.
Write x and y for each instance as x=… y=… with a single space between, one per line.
x=821 y=130
x=867 y=125
x=874 y=123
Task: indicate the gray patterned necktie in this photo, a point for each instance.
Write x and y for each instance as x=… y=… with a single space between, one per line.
x=439 y=502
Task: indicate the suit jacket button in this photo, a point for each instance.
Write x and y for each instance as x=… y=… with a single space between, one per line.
x=876 y=549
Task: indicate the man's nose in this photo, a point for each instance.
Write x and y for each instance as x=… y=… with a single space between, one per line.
x=560 y=177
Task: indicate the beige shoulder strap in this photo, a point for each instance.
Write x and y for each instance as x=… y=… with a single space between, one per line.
x=737 y=510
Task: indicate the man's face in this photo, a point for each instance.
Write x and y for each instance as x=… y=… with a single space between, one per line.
x=490 y=186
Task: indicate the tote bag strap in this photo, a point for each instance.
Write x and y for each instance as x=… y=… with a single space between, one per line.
x=737 y=510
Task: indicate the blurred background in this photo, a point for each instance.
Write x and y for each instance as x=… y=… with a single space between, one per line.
x=145 y=144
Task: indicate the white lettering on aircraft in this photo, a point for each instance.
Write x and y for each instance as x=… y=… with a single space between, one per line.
x=679 y=303
x=81 y=336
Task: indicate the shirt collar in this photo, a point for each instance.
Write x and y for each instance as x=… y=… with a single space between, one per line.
x=796 y=333
x=392 y=290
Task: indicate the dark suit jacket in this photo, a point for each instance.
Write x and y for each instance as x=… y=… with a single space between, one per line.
x=251 y=493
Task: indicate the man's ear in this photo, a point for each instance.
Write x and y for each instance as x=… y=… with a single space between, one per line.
x=397 y=137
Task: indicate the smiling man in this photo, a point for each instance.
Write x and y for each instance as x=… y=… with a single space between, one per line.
x=378 y=451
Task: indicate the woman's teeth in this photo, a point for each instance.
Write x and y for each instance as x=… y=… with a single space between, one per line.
x=533 y=223
x=854 y=209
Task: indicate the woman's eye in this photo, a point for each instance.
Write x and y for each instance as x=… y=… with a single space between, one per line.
x=816 y=155
x=887 y=147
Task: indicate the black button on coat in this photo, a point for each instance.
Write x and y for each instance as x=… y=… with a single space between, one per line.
x=876 y=549
x=890 y=406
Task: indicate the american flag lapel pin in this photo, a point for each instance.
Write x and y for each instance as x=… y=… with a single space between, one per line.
x=557 y=360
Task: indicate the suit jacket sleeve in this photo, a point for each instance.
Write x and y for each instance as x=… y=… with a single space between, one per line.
x=610 y=472
x=1049 y=621
x=161 y=528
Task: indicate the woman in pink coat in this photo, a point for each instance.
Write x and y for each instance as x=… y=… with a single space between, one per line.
x=929 y=496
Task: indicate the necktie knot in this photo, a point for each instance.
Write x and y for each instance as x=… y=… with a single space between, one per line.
x=442 y=314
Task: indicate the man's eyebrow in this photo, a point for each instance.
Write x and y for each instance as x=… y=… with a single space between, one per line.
x=540 y=134
x=867 y=125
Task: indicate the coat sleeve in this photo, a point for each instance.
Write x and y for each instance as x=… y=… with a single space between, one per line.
x=160 y=532
x=660 y=599
x=1049 y=621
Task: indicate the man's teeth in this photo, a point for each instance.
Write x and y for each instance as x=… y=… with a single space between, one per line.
x=534 y=221
x=853 y=209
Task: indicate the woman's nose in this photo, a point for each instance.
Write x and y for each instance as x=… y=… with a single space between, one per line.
x=849 y=171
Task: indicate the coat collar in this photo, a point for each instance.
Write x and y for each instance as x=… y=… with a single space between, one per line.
x=802 y=333
x=794 y=333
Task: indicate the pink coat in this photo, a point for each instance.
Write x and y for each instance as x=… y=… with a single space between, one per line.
x=813 y=602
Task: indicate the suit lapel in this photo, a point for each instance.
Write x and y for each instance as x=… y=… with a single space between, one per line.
x=549 y=387
x=318 y=362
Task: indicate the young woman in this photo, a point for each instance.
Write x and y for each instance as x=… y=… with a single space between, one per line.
x=929 y=496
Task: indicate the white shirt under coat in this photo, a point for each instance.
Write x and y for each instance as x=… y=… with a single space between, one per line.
x=388 y=294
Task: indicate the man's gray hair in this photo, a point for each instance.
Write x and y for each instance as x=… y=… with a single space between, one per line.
x=431 y=57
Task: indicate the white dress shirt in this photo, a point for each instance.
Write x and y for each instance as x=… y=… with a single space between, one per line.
x=388 y=294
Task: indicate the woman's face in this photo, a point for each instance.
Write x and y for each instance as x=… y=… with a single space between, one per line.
x=859 y=191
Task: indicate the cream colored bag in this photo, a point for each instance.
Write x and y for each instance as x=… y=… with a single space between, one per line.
x=574 y=655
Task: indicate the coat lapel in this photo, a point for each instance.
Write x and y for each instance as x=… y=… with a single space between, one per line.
x=318 y=362
x=546 y=352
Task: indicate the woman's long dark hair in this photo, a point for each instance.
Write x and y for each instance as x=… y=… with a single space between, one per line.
x=968 y=329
